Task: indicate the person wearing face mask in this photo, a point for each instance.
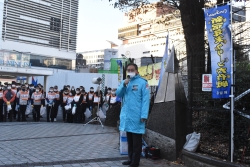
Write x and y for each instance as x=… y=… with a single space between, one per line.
x=27 y=86
x=77 y=118
x=135 y=94
x=57 y=101
x=63 y=101
x=97 y=100
x=18 y=87
x=107 y=96
x=113 y=99
x=22 y=98
x=1 y=102
x=84 y=104
x=90 y=98
x=31 y=90
x=70 y=100
x=9 y=99
x=14 y=89
x=37 y=101
x=50 y=99
x=73 y=91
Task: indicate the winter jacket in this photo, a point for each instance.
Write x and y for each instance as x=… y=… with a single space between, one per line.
x=135 y=105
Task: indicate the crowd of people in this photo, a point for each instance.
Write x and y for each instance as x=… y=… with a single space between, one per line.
x=15 y=98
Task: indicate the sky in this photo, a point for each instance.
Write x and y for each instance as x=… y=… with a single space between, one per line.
x=98 y=21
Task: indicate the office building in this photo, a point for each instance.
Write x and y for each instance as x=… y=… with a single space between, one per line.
x=38 y=35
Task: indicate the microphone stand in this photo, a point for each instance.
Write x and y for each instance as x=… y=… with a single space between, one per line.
x=96 y=119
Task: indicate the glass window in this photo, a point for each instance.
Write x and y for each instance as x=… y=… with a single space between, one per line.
x=50 y=62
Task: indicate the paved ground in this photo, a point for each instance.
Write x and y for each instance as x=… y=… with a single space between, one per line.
x=62 y=145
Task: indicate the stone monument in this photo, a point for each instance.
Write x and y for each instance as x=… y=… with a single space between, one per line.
x=166 y=127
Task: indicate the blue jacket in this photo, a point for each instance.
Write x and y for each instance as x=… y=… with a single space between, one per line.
x=135 y=105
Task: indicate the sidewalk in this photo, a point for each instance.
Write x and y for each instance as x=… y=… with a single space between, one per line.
x=144 y=163
x=62 y=144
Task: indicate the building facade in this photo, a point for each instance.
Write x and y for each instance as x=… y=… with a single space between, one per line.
x=45 y=31
x=100 y=58
x=145 y=30
x=38 y=38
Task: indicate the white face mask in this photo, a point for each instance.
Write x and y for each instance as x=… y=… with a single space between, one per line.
x=37 y=90
x=131 y=74
x=92 y=90
x=27 y=86
x=70 y=94
x=8 y=87
x=51 y=90
x=109 y=91
x=13 y=86
x=55 y=90
x=77 y=92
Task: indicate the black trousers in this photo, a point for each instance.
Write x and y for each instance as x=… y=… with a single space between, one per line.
x=37 y=112
x=22 y=110
x=78 y=114
x=69 y=116
x=56 y=105
x=10 y=114
x=50 y=113
x=64 y=114
x=134 y=147
x=1 y=113
x=84 y=107
x=14 y=110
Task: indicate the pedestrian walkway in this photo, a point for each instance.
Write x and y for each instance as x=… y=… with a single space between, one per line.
x=144 y=163
x=61 y=144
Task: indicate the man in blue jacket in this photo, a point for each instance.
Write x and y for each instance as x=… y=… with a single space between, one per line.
x=134 y=92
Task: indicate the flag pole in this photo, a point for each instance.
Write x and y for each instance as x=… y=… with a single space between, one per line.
x=232 y=84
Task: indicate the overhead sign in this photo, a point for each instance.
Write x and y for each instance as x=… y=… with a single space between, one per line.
x=14 y=59
x=206 y=82
x=14 y=63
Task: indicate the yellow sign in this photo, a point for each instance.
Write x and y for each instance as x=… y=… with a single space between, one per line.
x=151 y=73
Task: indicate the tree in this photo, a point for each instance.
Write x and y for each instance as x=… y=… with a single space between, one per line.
x=192 y=18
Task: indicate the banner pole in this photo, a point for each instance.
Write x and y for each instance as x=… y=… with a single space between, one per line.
x=232 y=84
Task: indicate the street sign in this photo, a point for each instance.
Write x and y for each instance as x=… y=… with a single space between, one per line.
x=206 y=82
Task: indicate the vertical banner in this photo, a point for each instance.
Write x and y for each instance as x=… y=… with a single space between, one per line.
x=120 y=71
x=164 y=62
x=219 y=37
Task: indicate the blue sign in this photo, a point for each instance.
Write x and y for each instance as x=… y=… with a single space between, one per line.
x=219 y=37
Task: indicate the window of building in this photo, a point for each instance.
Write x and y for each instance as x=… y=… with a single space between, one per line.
x=50 y=62
x=55 y=24
x=34 y=39
x=34 y=19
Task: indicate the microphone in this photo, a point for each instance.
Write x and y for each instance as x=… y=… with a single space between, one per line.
x=127 y=80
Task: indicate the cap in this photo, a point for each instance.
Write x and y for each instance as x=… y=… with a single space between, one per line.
x=13 y=82
x=91 y=88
